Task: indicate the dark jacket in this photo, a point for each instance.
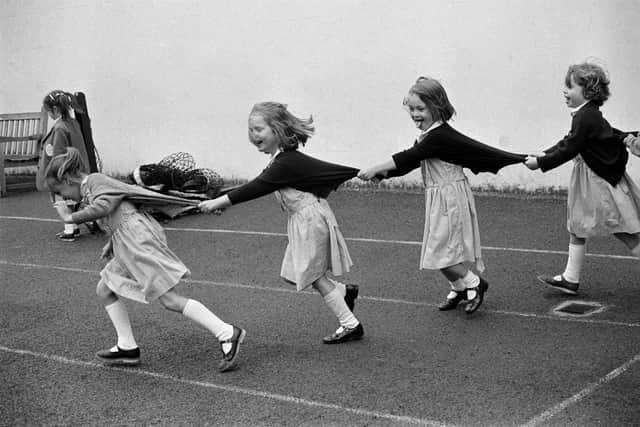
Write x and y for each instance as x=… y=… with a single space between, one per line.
x=595 y=140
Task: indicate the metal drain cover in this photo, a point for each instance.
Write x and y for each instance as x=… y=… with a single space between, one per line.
x=578 y=308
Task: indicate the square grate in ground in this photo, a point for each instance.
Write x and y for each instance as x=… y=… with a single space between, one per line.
x=578 y=308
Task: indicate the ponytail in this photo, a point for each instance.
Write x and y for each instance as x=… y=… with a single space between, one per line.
x=63 y=100
x=67 y=165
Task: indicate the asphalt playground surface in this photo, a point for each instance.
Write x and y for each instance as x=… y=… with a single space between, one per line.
x=514 y=362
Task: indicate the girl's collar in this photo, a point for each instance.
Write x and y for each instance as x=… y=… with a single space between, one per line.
x=432 y=127
x=579 y=107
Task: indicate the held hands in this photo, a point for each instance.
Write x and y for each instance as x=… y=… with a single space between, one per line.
x=532 y=162
x=368 y=175
x=63 y=210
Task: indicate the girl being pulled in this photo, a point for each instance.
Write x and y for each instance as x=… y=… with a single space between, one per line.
x=451 y=234
x=301 y=184
x=141 y=268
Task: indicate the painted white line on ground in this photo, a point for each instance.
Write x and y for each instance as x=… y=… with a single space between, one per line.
x=367 y=298
x=352 y=239
x=555 y=410
x=233 y=389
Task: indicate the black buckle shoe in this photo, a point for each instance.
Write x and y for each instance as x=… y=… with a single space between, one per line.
x=566 y=287
x=345 y=334
x=475 y=303
x=68 y=237
x=229 y=358
x=120 y=357
x=452 y=303
x=351 y=295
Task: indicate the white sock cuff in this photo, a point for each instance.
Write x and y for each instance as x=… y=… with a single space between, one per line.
x=471 y=280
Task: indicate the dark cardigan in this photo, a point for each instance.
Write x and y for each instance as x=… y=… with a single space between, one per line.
x=595 y=140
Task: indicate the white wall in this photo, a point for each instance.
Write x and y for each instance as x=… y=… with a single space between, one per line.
x=166 y=76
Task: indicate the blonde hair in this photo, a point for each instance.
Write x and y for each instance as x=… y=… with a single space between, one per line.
x=65 y=166
x=290 y=130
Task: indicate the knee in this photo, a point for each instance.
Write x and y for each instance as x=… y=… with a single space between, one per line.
x=172 y=302
x=104 y=292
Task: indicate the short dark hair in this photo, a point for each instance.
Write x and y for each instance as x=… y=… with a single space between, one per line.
x=592 y=78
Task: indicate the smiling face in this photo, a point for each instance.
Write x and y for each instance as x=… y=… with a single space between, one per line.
x=262 y=136
x=418 y=111
x=573 y=94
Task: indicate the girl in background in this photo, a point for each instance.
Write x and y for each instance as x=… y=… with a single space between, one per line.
x=451 y=235
x=301 y=184
x=65 y=133
x=142 y=267
x=602 y=198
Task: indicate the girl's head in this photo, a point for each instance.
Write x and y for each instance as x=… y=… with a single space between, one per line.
x=586 y=82
x=59 y=104
x=427 y=103
x=64 y=174
x=272 y=127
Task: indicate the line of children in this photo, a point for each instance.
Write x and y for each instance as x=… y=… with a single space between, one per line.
x=141 y=266
x=602 y=200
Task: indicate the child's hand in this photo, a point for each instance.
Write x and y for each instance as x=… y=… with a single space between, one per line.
x=367 y=175
x=531 y=162
x=63 y=210
x=210 y=206
x=633 y=143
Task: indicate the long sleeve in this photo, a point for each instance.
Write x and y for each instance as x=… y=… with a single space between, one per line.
x=251 y=190
x=571 y=145
x=449 y=145
x=98 y=208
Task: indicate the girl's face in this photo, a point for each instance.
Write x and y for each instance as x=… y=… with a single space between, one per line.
x=261 y=135
x=419 y=112
x=68 y=190
x=573 y=94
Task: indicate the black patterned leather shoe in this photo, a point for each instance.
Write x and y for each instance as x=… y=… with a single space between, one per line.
x=120 y=356
x=452 y=303
x=229 y=358
x=351 y=295
x=476 y=302
x=345 y=334
x=566 y=287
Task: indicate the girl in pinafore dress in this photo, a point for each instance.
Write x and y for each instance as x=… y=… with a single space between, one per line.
x=451 y=236
x=602 y=198
x=301 y=184
x=142 y=267
x=65 y=133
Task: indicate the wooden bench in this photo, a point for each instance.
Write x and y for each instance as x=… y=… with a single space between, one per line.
x=20 y=144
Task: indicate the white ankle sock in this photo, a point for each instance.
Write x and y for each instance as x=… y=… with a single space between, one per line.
x=117 y=312
x=336 y=303
x=70 y=228
x=200 y=314
x=342 y=288
x=456 y=286
x=471 y=280
x=574 y=263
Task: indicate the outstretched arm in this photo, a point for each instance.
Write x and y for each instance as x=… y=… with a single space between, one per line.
x=380 y=169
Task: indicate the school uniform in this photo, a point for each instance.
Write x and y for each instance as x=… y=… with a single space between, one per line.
x=602 y=198
x=451 y=233
x=63 y=134
x=301 y=184
x=143 y=267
